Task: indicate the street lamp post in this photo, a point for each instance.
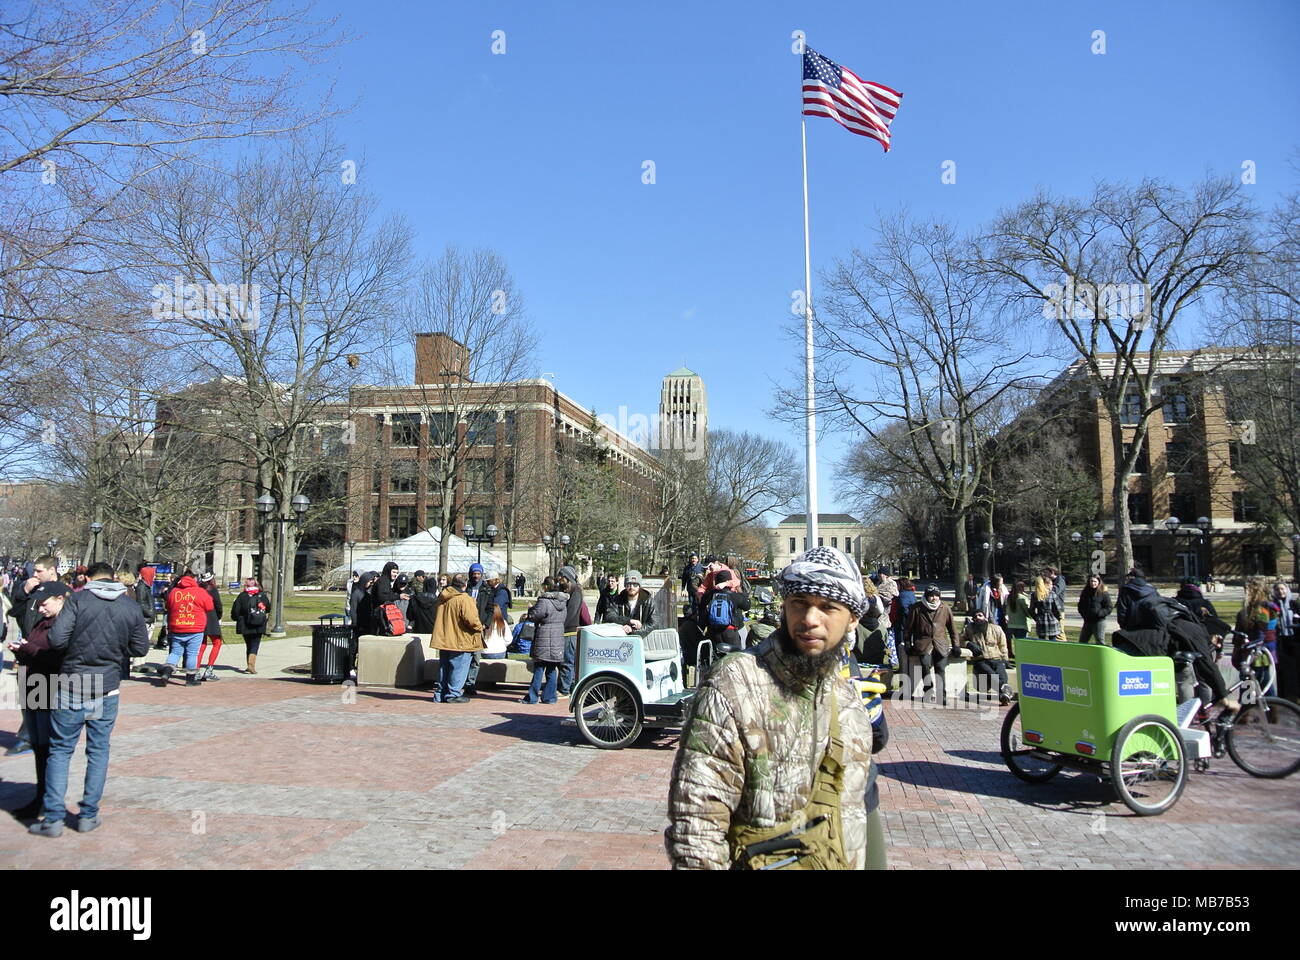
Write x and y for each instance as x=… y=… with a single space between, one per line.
x=95 y=529
x=987 y=559
x=490 y=537
x=265 y=506
x=1205 y=524
x=1034 y=544
x=1172 y=524
x=555 y=545
x=1077 y=539
x=997 y=548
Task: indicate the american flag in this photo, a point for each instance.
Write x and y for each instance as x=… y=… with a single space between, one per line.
x=859 y=106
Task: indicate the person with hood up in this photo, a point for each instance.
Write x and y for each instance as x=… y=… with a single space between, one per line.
x=929 y=634
x=98 y=630
x=1189 y=595
x=188 y=606
x=567 y=581
x=212 y=633
x=900 y=607
x=251 y=611
x=1135 y=605
x=363 y=605
x=457 y=632
x=424 y=604
x=547 y=615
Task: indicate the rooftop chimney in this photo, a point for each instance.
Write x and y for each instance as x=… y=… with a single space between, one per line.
x=440 y=359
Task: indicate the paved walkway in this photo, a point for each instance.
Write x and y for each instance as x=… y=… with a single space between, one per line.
x=273 y=771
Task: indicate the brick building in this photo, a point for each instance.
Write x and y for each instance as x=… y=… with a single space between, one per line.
x=388 y=441
x=1186 y=470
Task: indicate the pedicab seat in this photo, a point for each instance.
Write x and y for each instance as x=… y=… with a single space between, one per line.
x=660 y=644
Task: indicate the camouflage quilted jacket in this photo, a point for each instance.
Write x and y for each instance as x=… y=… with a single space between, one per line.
x=749 y=752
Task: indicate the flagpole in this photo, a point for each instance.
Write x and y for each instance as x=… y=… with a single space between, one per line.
x=810 y=494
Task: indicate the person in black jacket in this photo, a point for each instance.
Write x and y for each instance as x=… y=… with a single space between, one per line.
x=99 y=628
x=144 y=595
x=1094 y=607
x=633 y=608
x=212 y=633
x=607 y=590
x=1189 y=594
x=424 y=604
x=566 y=582
x=27 y=599
x=251 y=612
x=37 y=663
x=363 y=606
x=1135 y=606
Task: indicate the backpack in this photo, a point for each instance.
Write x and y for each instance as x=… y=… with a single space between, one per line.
x=255 y=619
x=719 y=612
x=391 y=621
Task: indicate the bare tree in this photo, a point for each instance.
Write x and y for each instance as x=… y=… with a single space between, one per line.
x=1114 y=273
x=920 y=364
x=485 y=344
x=747 y=476
x=266 y=278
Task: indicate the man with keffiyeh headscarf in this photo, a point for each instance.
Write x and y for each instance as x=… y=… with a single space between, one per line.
x=776 y=738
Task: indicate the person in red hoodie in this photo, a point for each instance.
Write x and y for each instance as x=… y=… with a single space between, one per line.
x=187 y=619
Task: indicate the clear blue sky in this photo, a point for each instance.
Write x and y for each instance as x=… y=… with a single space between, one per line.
x=538 y=152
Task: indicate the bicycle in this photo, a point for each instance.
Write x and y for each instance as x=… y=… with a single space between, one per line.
x=1263 y=737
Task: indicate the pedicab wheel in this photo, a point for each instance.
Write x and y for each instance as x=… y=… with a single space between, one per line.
x=1265 y=739
x=1148 y=765
x=1019 y=756
x=608 y=712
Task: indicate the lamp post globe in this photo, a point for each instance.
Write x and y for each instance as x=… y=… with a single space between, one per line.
x=1098 y=537
x=1076 y=537
x=300 y=504
x=492 y=531
x=468 y=530
x=265 y=504
x=1172 y=524
x=1204 y=524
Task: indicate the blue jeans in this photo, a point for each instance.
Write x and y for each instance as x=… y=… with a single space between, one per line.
x=185 y=645
x=570 y=658
x=548 y=670
x=98 y=717
x=453 y=668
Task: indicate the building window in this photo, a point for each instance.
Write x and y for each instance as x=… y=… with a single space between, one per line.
x=792 y=544
x=1131 y=410
x=1142 y=464
x=1177 y=409
x=406 y=429
x=1244 y=508
x=805 y=544
x=480 y=517
x=1139 y=507
x=508 y=427
x=442 y=429
x=848 y=545
x=480 y=476
x=480 y=428
x=1256 y=559
x=1234 y=455
x=1183 y=506
x=1142 y=557
x=835 y=542
x=1178 y=458
x=403 y=476
x=820 y=543
x=377 y=480
x=401 y=523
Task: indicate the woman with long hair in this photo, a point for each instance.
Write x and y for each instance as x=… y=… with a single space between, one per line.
x=1045 y=608
x=1094 y=608
x=496 y=637
x=250 y=612
x=212 y=635
x=1017 y=615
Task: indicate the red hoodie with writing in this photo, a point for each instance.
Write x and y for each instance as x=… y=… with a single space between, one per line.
x=187 y=607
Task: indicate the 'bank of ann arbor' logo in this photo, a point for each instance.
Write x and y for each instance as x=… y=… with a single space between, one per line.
x=1134 y=683
x=652 y=432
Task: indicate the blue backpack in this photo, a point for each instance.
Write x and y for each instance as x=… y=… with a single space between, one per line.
x=719 y=613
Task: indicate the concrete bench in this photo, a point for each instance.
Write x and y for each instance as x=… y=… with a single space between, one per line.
x=489 y=671
x=392 y=661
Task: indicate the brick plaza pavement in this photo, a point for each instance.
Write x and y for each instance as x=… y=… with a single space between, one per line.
x=272 y=771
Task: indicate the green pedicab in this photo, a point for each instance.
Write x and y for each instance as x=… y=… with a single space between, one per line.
x=1096 y=709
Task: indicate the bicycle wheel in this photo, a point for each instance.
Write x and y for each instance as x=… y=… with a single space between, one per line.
x=1019 y=756
x=1148 y=765
x=1265 y=739
x=608 y=712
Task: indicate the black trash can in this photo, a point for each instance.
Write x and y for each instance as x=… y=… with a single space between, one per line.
x=331 y=650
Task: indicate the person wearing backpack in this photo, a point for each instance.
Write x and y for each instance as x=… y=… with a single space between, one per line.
x=722 y=608
x=250 y=612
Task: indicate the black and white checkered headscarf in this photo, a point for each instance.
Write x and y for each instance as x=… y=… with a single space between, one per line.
x=825 y=572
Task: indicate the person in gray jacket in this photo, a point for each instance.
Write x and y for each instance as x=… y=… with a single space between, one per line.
x=99 y=628
x=547 y=614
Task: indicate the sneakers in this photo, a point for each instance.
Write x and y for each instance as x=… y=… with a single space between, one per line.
x=86 y=824
x=44 y=828
x=19 y=749
x=457 y=700
x=193 y=680
x=209 y=674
